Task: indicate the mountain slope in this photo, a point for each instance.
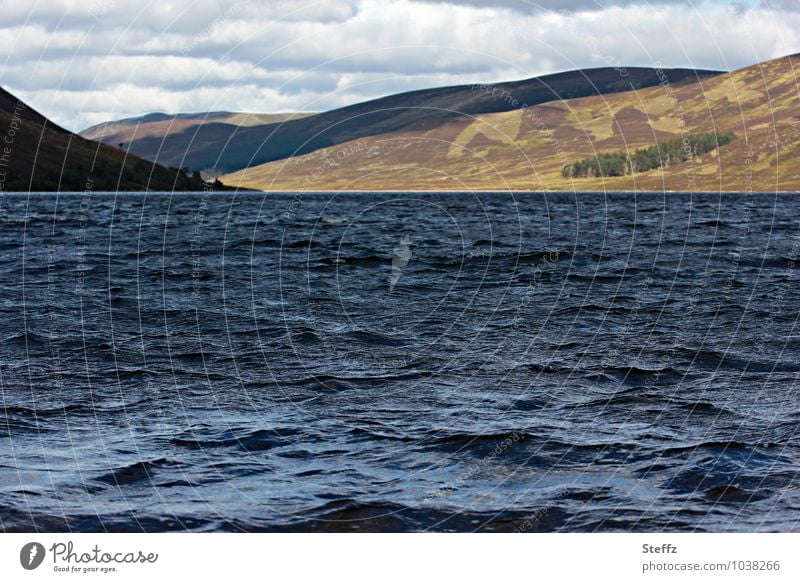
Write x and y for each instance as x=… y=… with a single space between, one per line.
x=168 y=138
x=527 y=149
x=227 y=147
x=37 y=155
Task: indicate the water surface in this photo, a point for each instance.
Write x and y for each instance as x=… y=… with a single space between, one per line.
x=399 y=362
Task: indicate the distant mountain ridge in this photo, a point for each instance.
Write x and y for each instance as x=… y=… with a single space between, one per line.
x=38 y=155
x=164 y=124
x=225 y=146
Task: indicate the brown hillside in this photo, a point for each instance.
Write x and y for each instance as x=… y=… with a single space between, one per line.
x=36 y=155
x=223 y=147
x=526 y=149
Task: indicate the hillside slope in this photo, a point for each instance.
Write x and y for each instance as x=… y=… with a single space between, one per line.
x=227 y=147
x=172 y=138
x=37 y=155
x=527 y=149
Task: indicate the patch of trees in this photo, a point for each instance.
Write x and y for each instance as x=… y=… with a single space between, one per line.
x=660 y=155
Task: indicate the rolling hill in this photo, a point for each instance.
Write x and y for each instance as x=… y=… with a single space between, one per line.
x=172 y=138
x=37 y=155
x=218 y=145
x=527 y=149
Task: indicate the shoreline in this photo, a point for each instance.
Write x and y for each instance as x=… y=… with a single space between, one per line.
x=493 y=191
x=233 y=190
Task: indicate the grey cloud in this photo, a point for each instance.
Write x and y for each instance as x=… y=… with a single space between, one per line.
x=792 y=5
x=527 y=6
x=158 y=17
x=126 y=57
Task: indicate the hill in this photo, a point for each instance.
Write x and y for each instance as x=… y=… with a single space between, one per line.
x=227 y=147
x=171 y=138
x=527 y=149
x=37 y=155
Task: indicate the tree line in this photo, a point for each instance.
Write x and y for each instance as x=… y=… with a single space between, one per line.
x=660 y=155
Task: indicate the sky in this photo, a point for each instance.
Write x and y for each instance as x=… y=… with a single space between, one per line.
x=82 y=62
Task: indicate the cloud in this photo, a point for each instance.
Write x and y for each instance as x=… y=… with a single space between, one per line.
x=527 y=6
x=84 y=62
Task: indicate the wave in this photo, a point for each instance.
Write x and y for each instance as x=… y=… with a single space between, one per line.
x=46 y=412
x=364 y=261
x=706 y=359
x=333 y=220
x=733 y=494
x=348 y=514
x=627 y=397
x=704 y=407
x=246 y=440
x=302 y=244
x=135 y=473
x=380 y=435
x=546 y=368
x=718 y=446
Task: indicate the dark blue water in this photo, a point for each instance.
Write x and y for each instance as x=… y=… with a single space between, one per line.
x=391 y=362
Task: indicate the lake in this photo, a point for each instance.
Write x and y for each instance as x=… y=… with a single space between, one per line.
x=399 y=362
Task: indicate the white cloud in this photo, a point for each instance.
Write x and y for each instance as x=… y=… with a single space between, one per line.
x=82 y=62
